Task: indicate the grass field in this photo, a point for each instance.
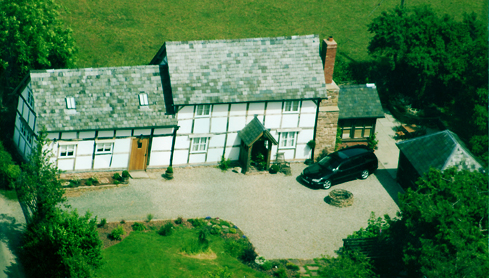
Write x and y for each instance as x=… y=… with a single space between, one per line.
x=151 y=255
x=124 y=32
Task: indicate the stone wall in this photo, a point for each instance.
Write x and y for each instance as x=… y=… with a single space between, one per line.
x=327 y=122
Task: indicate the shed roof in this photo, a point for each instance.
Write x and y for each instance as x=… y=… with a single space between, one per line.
x=359 y=101
x=438 y=150
x=105 y=98
x=243 y=70
x=253 y=130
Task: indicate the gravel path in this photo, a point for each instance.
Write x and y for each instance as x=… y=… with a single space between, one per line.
x=281 y=217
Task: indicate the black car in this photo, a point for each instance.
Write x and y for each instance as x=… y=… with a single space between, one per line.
x=349 y=163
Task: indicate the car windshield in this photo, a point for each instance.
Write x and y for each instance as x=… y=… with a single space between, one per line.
x=330 y=162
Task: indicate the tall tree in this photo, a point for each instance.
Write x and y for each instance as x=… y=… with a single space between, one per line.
x=31 y=37
x=38 y=186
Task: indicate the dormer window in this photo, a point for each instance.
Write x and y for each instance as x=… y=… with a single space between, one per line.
x=70 y=102
x=143 y=99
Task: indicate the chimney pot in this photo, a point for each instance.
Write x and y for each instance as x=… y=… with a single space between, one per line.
x=330 y=38
x=329 y=50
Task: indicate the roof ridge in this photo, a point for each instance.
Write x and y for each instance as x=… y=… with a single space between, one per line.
x=296 y=37
x=90 y=69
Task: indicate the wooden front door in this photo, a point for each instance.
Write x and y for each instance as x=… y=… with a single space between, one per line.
x=139 y=154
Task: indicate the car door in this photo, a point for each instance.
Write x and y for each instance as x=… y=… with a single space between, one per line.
x=344 y=170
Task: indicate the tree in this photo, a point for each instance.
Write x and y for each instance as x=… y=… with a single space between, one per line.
x=9 y=171
x=436 y=62
x=31 y=37
x=348 y=264
x=443 y=225
x=38 y=186
x=63 y=244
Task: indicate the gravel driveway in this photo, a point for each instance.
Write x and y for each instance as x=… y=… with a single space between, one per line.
x=280 y=216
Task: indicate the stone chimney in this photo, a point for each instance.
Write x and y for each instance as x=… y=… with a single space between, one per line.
x=329 y=49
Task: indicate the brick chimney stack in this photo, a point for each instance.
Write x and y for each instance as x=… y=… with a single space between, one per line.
x=329 y=47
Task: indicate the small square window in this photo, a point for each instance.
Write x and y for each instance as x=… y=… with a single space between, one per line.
x=291 y=106
x=203 y=110
x=70 y=102
x=104 y=148
x=143 y=99
x=67 y=150
x=199 y=144
x=287 y=139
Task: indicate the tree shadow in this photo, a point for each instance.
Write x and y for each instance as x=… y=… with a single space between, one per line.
x=390 y=185
x=10 y=235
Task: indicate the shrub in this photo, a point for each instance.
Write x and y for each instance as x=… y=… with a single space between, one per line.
x=116 y=177
x=179 y=221
x=169 y=169
x=311 y=144
x=233 y=247
x=125 y=174
x=138 y=226
x=123 y=221
x=75 y=180
x=9 y=172
x=232 y=230
x=88 y=182
x=116 y=182
x=224 y=163
x=274 y=168
x=166 y=230
x=281 y=273
x=372 y=141
x=292 y=266
x=218 y=273
x=149 y=217
x=204 y=236
x=322 y=154
x=198 y=222
x=117 y=233
x=267 y=265
x=94 y=179
x=216 y=230
x=102 y=223
x=249 y=254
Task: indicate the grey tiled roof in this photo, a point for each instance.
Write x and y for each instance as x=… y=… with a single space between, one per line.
x=106 y=98
x=254 y=129
x=359 y=101
x=438 y=150
x=242 y=70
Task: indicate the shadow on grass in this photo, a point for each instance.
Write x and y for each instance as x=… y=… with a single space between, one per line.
x=10 y=235
x=389 y=184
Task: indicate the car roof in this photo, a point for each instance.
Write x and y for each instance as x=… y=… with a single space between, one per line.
x=351 y=152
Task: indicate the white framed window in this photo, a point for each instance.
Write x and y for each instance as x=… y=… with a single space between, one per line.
x=67 y=150
x=287 y=139
x=199 y=144
x=104 y=148
x=70 y=102
x=291 y=106
x=203 y=110
x=143 y=99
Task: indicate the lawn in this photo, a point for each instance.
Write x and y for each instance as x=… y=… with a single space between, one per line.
x=124 y=32
x=148 y=254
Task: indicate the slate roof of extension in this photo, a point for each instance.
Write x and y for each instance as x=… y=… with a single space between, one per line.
x=253 y=130
x=438 y=150
x=242 y=70
x=359 y=101
x=105 y=98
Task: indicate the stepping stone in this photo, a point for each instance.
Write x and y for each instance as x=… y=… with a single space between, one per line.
x=313 y=267
x=305 y=275
x=314 y=273
x=302 y=269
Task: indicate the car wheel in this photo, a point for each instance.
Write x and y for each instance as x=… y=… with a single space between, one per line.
x=364 y=174
x=326 y=184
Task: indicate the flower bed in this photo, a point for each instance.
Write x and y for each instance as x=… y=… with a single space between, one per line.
x=92 y=179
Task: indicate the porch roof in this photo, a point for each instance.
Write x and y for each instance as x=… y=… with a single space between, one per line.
x=253 y=131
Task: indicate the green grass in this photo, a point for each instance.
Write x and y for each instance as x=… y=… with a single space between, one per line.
x=151 y=255
x=124 y=32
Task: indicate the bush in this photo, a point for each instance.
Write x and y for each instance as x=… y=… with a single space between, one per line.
x=216 y=230
x=116 y=182
x=198 y=222
x=372 y=141
x=94 y=179
x=123 y=221
x=9 y=172
x=125 y=174
x=274 y=168
x=322 y=154
x=179 y=221
x=232 y=230
x=117 y=233
x=102 y=223
x=233 y=247
x=166 y=230
x=204 y=236
x=267 y=265
x=169 y=169
x=292 y=266
x=149 y=217
x=76 y=180
x=224 y=163
x=281 y=273
x=249 y=254
x=311 y=144
x=138 y=226
x=218 y=273
x=116 y=177
x=88 y=182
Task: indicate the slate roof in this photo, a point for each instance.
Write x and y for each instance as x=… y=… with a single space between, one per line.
x=439 y=150
x=243 y=70
x=359 y=101
x=106 y=98
x=254 y=129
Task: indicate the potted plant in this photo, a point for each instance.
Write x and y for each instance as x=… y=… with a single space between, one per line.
x=274 y=169
x=125 y=176
x=169 y=173
x=372 y=141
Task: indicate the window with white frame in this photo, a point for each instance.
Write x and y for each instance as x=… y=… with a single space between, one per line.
x=67 y=150
x=143 y=99
x=70 y=102
x=203 y=110
x=199 y=144
x=104 y=148
x=287 y=139
x=291 y=106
